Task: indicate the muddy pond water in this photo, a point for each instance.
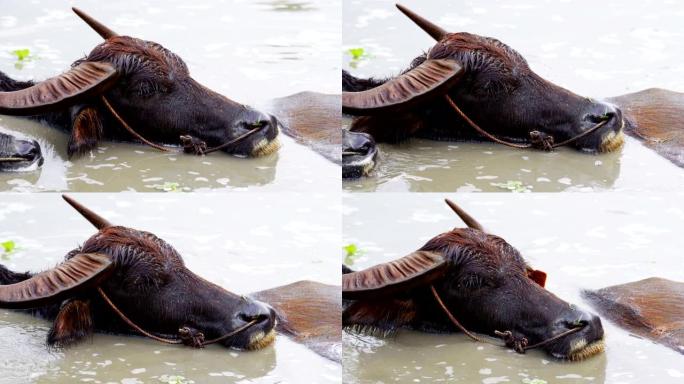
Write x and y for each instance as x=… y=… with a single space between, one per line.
x=583 y=241
x=295 y=48
x=595 y=49
x=244 y=243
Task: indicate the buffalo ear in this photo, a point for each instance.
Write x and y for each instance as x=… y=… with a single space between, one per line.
x=429 y=80
x=81 y=82
x=537 y=276
x=86 y=131
x=383 y=280
x=73 y=323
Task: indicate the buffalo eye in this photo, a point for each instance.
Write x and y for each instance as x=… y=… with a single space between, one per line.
x=471 y=282
x=148 y=89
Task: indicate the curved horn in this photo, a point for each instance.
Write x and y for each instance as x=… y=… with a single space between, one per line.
x=100 y=28
x=94 y=218
x=77 y=274
x=467 y=219
x=433 y=30
x=430 y=79
x=400 y=275
x=79 y=83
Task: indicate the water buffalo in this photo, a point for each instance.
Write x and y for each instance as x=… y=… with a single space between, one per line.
x=130 y=89
x=126 y=281
x=651 y=308
x=656 y=117
x=468 y=279
x=471 y=87
x=19 y=154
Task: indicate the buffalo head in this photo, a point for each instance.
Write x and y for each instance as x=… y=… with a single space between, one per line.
x=359 y=154
x=18 y=154
x=151 y=88
x=146 y=279
x=482 y=280
x=492 y=85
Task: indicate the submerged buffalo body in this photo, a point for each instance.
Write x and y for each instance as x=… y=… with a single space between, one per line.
x=656 y=117
x=652 y=308
x=312 y=119
x=19 y=154
x=482 y=281
x=150 y=88
x=492 y=86
x=123 y=280
x=310 y=313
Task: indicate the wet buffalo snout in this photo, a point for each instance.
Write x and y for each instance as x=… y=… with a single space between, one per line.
x=260 y=313
x=600 y=112
x=590 y=324
x=250 y=119
x=28 y=150
x=357 y=143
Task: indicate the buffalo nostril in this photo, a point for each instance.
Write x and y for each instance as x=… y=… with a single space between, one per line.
x=602 y=117
x=258 y=318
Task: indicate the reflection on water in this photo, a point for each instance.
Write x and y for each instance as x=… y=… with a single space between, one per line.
x=243 y=243
x=636 y=47
x=581 y=242
x=287 y=52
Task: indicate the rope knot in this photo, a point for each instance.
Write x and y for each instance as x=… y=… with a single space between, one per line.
x=191 y=337
x=518 y=344
x=541 y=140
x=193 y=145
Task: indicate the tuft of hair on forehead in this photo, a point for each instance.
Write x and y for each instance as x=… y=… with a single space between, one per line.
x=465 y=244
x=487 y=57
x=131 y=55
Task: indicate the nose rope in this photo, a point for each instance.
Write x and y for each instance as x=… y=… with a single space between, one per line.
x=6 y=159
x=190 y=144
x=538 y=139
x=186 y=335
x=518 y=344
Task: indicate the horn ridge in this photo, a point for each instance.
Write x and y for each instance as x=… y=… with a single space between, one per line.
x=79 y=83
x=395 y=276
x=430 y=79
x=432 y=29
x=98 y=221
x=77 y=274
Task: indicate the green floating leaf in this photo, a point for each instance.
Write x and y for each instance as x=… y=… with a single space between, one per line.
x=534 y=381
x=352 y=253
x=174 y=379
x=22 y=54
x=170 y=186
x=8 y=246
x=513 y=186
x=357 y=53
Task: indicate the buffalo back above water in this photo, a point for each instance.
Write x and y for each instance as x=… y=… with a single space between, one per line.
x=312 y=119
x=652 y=308
x=656 y=117
x=310 y=313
